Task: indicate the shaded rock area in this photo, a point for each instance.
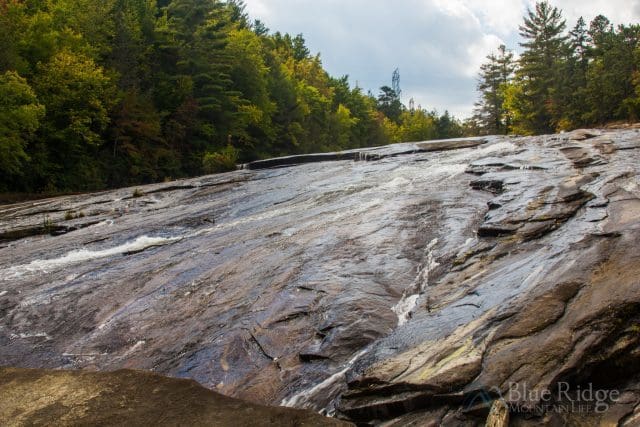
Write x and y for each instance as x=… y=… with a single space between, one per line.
x=420 y=286
x=370 y=154
x=72 y=398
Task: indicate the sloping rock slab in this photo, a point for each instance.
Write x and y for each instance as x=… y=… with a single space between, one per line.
x=560 y=247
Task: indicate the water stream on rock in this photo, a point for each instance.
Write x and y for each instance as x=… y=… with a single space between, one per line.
x=410 y=296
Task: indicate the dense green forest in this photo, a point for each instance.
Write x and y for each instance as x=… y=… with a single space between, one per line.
x=563 y=79
x=121 y=92
x=97 y=94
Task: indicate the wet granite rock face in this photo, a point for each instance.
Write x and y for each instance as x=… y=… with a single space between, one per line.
x=416 y=283
x=547 y=297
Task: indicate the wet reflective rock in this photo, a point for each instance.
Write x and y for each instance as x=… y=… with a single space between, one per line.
x=393 y=289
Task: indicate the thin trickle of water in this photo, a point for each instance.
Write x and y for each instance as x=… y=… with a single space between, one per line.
x=299 y=399
x=407 y=303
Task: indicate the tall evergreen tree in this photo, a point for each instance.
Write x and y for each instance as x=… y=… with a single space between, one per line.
x=196 y=83
x=612 y=72
x=579 y=43
x=494 y=76
x=600 y=32
x=389 y=103
x=573 y=78
x=540 y=65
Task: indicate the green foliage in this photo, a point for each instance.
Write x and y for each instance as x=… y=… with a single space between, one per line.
x=586 y=77
x=123 y=92
x=13 y=22
x=254 y=107
x=539 y=65
x=220 y=161
x=421 y=125
x=389 y=103
x=20 y=116
x=610 y=90
x=341 y=123
x=137 y=152
x=417 y=125
x=517 y=107
x=495 y=76
x=78 y=96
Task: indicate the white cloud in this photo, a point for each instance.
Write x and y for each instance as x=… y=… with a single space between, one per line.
x=438 y=45
x=618 y=11
x=478 y=50
x=496 y=16
x=260 y=9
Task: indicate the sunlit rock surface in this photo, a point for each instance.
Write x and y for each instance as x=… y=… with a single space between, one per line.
x=381 y=285
x=131 y=398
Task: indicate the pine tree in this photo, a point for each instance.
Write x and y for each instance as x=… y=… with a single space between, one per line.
x=579 y=42
x=611 y=89
x=195 y=77
x=600 y=32
x=130 y=55
x=574 y=78
x=540 y=65
x=494 y=76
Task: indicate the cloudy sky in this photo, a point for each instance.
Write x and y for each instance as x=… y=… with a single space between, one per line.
x=438 y=45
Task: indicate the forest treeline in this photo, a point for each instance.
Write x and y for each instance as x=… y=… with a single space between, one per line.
x=97 y=94
x=122 y=92
x=565 y=78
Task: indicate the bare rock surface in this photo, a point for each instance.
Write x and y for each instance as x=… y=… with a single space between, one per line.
x=416 y=283
x=75 y=398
